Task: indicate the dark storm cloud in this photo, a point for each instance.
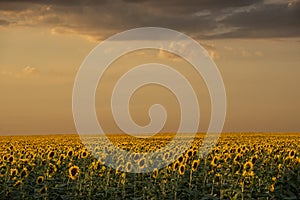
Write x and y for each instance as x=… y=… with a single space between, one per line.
x=202 y=19
x=273 y=20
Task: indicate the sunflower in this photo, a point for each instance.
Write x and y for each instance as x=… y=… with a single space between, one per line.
x=176 y=165
x=102 y=159
x=279 y=167
x=190 y=153
x=119 y=169
x=62 y=157
x=214 y=161
x=181 y=169
x=70 y=152
x=123 y=178
x=166 y=156
x=180 y=159
x=136 y=157
x=277 y=159
x=51 y=154
x=96 y=165
x=254 y=159
x=83 y=154
x=227 y=158
x=18 y=183
x=44 y=162
x=39 y=180
x=5 y=157
x=25 y=160
x=52 y=169
x=248 y=174
x=217 y=177
x=74 y=172
x=195 y=164
x=101 y=174
x=24 y=172
x=123 y=175
x=237 y=158
x=155 y=173
x=3 y=169
x=128 y=166
x=43 y=190
x=142 y=163
x=11 y=159
x=292 y=154
x=13 y=172
x=248 y=166
x=272 y=188
x=236 y=168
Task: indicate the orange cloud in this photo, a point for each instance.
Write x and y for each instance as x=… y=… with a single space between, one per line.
x=25 y=72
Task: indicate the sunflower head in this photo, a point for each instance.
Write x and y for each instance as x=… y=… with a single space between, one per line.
x=254 y=159
x=180 y=159
x=214 y=161
x=142 y=163
x=128 y=166
x=51 y=154
x=272 y=188
x=120 y=168
x=84 y=154
x=11 y=159
x=18 y=183
x=155 y=173
x=176 y=165
x=136 y=157
x=5 y=157
x=52 y=169
x=70 y=153
x=3 y=169
x=195 y=164
x=190 y=153
x=123 y=178
x=62 y=157
x=123 y=175
x=181 y=169
x=24 y=172
x=13 y=172
x=166 y=156
x=237 y=158
x=292 y=154
x=43 y=190
x=40 y=180
x=248 y=166
x=74 y=172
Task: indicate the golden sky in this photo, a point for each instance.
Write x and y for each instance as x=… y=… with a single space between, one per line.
x=255 y=44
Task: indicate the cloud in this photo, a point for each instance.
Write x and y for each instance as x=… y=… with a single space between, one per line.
x=170 y=56
x=27 y=71
x=4 y=22
x=269 y=20
x=204 y=19
x=242 y=52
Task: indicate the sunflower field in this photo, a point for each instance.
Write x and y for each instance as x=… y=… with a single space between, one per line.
x=240 y=166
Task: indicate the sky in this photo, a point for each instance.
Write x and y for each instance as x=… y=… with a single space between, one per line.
x=254 y=43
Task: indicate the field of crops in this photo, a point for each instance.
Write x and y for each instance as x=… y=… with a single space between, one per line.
x=241 y=166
